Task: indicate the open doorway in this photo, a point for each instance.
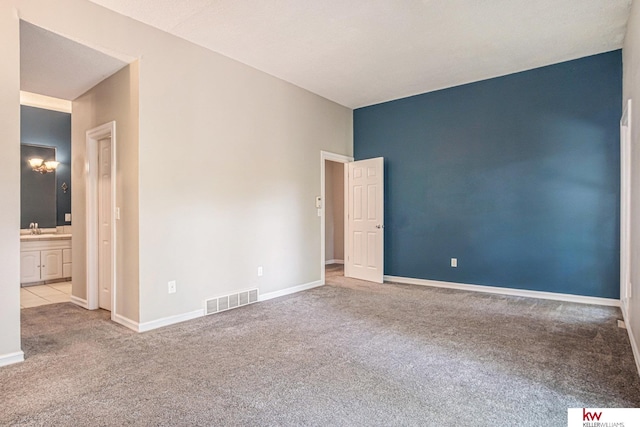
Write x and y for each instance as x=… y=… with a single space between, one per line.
x=332 y=212
x=362 y=229
x=45 y=200
x=334 y=218
x=55 y=68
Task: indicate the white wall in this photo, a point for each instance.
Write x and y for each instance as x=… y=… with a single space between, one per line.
x=631 y=90
x=114 y=99
x=228 y=168
x=228 y=178
x=10 y=189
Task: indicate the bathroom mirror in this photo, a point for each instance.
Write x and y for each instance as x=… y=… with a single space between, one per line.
x=37 y=190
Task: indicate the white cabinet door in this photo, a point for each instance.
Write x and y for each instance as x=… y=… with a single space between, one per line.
x=66 y=256
x=66 y=270
x=51 y=264
x=29 y=266
x=66 y=263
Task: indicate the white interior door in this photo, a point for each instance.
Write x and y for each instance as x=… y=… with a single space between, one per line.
x=365 y=223
x=104 y=224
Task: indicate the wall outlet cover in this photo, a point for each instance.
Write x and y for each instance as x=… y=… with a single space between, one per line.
x=172 y=287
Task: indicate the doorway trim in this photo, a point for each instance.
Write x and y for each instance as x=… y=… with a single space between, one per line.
x=625 y=208
x=107 y=130
x=338 y=158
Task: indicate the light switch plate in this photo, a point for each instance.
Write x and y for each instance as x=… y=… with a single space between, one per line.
x=67 y=217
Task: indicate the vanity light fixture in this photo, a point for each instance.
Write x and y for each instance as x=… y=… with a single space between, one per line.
x=42 y=166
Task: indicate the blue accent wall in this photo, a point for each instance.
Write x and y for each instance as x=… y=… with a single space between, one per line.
x=518 y=177
x=51 y=129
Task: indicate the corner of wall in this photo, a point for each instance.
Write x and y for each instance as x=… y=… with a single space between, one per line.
x=10 y=350
x=631 y=90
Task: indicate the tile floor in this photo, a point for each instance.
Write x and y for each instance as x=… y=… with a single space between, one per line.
x=33 y=296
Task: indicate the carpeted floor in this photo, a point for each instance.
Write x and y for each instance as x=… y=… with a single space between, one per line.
x=351 y=353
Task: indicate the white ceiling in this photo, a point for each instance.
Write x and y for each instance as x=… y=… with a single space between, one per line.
x=354 y=53
x=58 y=67
x=364 y=52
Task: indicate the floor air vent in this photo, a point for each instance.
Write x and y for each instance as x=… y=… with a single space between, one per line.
x=227 y=302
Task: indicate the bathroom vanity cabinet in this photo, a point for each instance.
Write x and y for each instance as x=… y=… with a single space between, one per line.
x=43 y=259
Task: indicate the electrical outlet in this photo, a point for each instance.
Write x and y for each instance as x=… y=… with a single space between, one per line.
x=260 y=271
x=172 y=287
x=454 y=262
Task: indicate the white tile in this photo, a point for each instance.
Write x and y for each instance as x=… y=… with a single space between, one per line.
x=27 y=294
x=36 y=302
x=64 y=287
x=44 y=290
x=29 y=297
x=58 y=298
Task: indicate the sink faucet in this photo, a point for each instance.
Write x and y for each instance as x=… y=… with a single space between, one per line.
x=33 y=228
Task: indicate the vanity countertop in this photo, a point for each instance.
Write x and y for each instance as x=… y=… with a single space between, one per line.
x=49 y=236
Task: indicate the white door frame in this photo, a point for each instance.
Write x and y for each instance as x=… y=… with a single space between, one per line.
x=625 y=207
x=338 y=158
x=107 y=130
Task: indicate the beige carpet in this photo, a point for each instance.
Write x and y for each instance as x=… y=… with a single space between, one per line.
x=351 y=353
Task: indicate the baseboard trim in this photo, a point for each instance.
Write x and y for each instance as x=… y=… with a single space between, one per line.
x=334 y=261
x=170 y=320
x=178 y=318
x=632 y=340
x=126 y=322
x=506 y=291
x=80 y=302
x=289 y=291
x=11 y=358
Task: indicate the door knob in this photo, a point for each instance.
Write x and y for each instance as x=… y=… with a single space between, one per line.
x=379 y=226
